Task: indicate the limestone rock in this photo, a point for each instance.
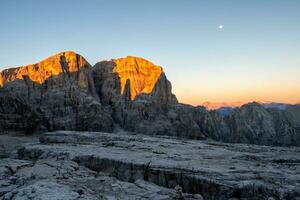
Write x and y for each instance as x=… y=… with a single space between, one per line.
x=62 y=63
x=252 y=123
x=214 y=170
x=60 y=91
x=48 y=178
x=18 y=116
x=143 y=75
x=140 y=98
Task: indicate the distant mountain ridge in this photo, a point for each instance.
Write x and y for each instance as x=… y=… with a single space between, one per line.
x=267 y=104
x=64 y=92
x=217 y=105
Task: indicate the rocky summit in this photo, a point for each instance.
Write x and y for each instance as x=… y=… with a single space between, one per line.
x=58 y=93
x=115 y=130
x=141 y=74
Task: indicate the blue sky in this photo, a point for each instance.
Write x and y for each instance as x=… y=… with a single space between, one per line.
x=256 y=56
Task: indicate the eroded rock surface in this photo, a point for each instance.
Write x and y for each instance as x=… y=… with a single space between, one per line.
x=252 y=123
x=61 y=178
x=214 y=170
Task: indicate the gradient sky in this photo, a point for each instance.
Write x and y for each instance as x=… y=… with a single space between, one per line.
x=255 y=57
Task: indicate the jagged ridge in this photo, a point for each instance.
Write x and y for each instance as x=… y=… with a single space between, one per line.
x=64 y=62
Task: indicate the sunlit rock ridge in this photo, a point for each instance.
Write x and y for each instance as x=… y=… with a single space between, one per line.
x=64 y=62
x=142 y=74
x=64 y=92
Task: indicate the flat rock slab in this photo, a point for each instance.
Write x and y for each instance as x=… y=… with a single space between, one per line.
x=214 y=170
x=51 y=179
x=10 y=142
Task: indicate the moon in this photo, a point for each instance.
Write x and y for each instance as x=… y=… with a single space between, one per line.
x=221 y=26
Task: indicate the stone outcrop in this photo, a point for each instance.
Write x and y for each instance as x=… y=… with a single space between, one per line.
x=18 y=116
x=53 y=179
x=57 y=178
x=142 y=74
x=141 y=100
x=252 y=123
x=66 y=63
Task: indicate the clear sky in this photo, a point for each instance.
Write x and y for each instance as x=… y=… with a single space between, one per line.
x=254 y=56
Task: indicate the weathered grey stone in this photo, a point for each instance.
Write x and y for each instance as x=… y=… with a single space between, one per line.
x=64 y=179
x=55 y=94
x=252 y=123
x=214 y=170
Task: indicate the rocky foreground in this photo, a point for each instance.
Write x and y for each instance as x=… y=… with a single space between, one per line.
x=98 y=165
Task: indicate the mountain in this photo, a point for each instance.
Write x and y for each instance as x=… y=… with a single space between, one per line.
x=280 y=106
x=141 y=73
x=136 y=107
x=65 y=62
x=59 y=91
x=218 y=105
x=228 y=105
x=64 y=92
x=253 y=123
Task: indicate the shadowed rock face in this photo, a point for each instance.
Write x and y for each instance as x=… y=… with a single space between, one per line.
x=17 y=115
x=254 y=124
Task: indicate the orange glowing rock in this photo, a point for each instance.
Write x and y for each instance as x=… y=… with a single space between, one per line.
x=1 y=80
x=142 y=74
x=64 y=62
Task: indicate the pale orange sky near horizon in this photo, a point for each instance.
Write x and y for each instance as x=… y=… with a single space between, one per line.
x=261 y=96
x=281 y=85
x=238 y=91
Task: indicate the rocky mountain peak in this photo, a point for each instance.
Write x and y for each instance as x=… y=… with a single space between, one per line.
x=142 y=74
x=63 y=92
x=64 y=62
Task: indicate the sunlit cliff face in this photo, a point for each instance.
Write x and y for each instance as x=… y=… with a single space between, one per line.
x=65 y=62
x=142 y=74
